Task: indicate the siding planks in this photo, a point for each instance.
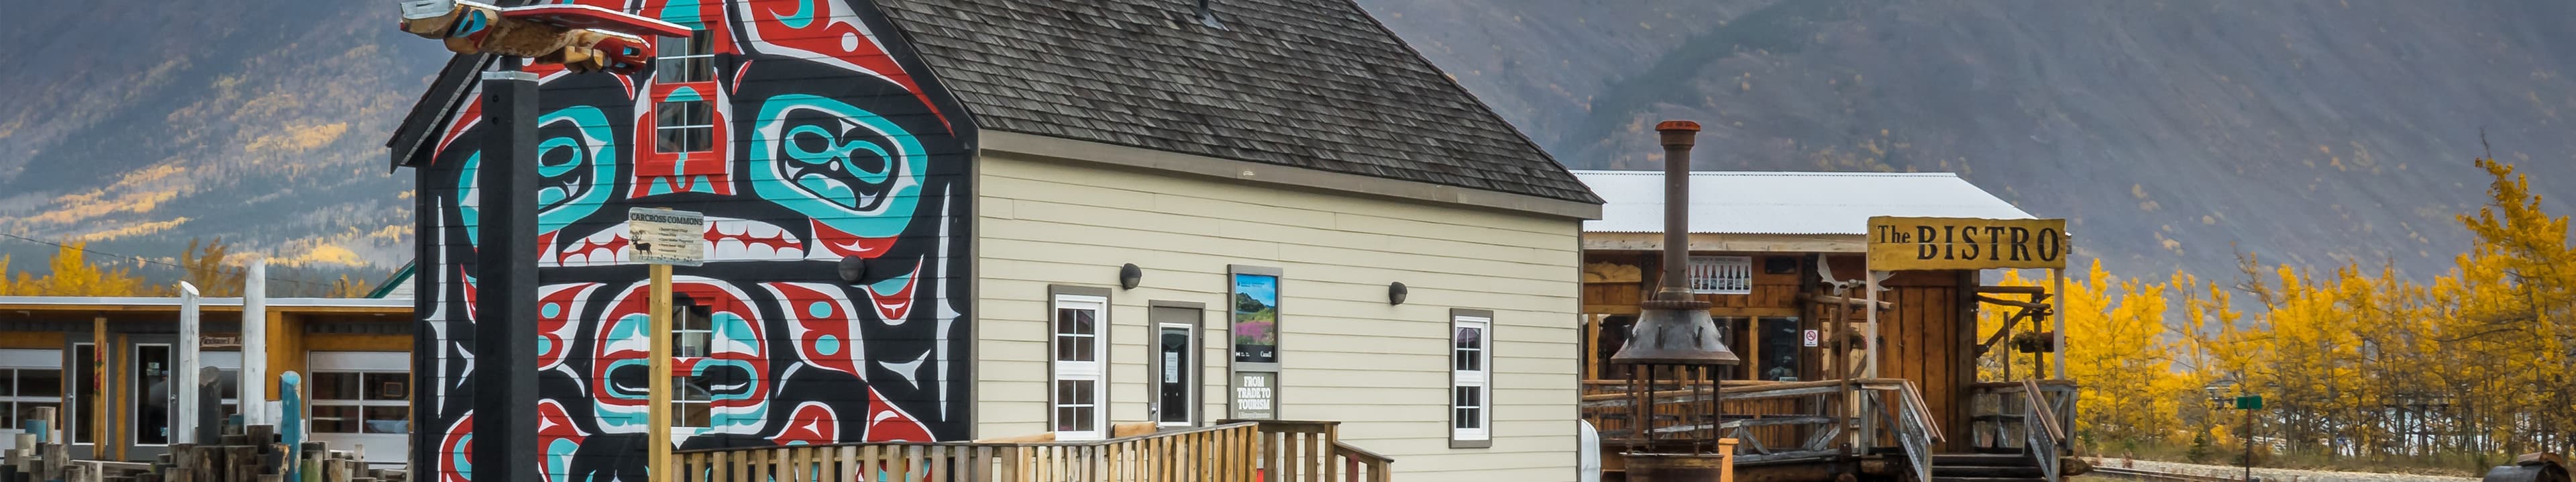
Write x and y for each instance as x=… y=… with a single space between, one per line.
x=1345 y=353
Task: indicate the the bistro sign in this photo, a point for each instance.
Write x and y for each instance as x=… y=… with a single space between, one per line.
x=1908 y=244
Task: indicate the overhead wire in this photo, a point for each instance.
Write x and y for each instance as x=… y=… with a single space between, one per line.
x=138 y=258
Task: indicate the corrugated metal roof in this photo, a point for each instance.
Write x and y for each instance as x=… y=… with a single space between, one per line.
x=1788 y=202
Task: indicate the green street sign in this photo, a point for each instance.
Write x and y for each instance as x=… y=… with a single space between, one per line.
x=2249 y=402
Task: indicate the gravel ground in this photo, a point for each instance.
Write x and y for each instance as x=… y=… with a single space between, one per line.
x=2281 y=475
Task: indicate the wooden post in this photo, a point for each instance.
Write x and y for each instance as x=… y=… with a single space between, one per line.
x=2059 y=320
x=97 y=380
x=1869 y=337
x=658 y=387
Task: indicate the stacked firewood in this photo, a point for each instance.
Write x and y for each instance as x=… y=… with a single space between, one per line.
x=259 y=455
x=253 y=453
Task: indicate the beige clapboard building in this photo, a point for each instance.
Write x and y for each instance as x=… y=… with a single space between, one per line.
x=1061 y=217
x=1270 y=224
x=1271 y=191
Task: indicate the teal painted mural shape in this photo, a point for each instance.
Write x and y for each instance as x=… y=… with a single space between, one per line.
x=290 y=394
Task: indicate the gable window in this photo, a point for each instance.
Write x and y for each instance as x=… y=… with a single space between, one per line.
x=690 y=59
x=1721 y=275
x=1079 y=347
x=1471 y=369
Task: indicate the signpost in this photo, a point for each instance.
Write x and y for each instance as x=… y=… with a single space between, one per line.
x=2249 y=403
x=1906 y=244
x=662 y=238
x=1922 y=243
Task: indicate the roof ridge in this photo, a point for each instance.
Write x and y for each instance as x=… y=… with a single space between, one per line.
x=1626 y=172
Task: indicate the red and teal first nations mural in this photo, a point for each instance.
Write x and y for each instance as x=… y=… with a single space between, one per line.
x=805 y=138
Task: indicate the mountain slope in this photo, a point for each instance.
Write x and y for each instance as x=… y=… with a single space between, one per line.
x=137 y=125
x=2167 y=131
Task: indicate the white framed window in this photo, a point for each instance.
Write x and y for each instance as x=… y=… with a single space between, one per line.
x=1079 y=348
x=684 y=59
x=684 y=126
x=359 y=392
x=692 y=396
x=1471 y=374
x=29 y=380
x=1721 y=275
x=688 y=125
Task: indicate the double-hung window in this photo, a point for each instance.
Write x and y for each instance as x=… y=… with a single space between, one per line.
x=685 y=124
x=1471 y=373
x=1079 y=348
x=28 y=382
x=692 y=397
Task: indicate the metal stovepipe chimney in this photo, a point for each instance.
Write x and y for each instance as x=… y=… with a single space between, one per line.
x=1674 y=327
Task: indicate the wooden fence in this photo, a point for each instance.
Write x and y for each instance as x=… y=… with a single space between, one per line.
x=1777 y=421
x=1229 y=452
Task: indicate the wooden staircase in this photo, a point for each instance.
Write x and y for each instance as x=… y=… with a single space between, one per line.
x=1986 y=468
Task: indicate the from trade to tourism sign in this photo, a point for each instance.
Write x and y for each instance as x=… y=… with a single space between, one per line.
x=1911 y=243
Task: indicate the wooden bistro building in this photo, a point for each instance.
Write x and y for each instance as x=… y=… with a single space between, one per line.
x=1784 y=260
x=122 y=405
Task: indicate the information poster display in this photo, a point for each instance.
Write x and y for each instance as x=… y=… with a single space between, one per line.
x=1256 y=318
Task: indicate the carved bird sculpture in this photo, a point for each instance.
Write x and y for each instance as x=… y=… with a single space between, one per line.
x=582 y=38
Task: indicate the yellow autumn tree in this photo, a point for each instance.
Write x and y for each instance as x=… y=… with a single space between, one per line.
x=347 y=287
x=206 y=268
x=72 y=275
x=2118 y=346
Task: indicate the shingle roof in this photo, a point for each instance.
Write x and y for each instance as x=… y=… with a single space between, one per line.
x=1307 y=83
x=1788 y=202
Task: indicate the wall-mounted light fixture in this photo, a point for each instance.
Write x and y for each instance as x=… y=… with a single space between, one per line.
x=1395 y=293
x=1129 y=276
x=853 y=269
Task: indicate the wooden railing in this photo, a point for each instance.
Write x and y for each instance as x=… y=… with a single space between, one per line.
x=1312 y=451
x=1759 y=414
x=1997 y=418
x=1915 y=431
x=1234 y=451
x=2031 y=416
x=2046 y=434
x=1221 y=453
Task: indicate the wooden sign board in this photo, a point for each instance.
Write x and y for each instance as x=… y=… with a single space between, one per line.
x=664 y=236
x=1918 y=244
